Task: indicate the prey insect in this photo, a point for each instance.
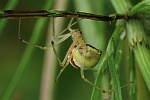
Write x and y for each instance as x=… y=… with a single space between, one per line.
x=80 y=55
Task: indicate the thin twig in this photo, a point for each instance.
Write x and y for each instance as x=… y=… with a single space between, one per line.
x=14 y=14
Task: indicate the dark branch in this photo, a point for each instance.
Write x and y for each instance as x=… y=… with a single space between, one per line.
x=14 y=14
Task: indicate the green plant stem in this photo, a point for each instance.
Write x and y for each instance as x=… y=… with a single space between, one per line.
x=121 y=6
x=105 y=57
x=141 y=7
x=115 y=78
x=133 y=89
x=142 y=55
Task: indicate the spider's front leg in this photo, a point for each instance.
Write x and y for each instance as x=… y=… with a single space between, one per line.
x=67 y=58
x=26 y=42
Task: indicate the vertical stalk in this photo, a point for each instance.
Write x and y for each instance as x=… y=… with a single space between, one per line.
x=49 y=67
x=26 y=56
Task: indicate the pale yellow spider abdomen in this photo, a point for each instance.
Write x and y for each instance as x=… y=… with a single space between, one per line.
x=87 y=60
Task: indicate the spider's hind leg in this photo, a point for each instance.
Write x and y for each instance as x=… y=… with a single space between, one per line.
x=85 y=79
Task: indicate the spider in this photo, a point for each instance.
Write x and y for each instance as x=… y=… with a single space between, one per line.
x=80 y=55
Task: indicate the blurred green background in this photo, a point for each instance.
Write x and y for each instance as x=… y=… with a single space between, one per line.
x=69 y=86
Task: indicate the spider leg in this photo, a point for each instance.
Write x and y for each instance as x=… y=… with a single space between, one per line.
x=60 y=39
x=69 y=26
x=85 y=79
x=63 y=68
x=67 y=58
x=65 y=61
x=62 y=63
x=24 y=41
